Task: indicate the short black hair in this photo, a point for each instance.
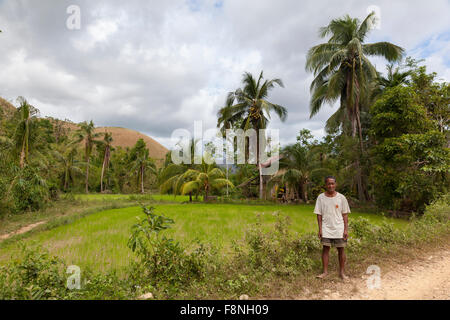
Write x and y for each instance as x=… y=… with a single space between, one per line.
x=329 y=177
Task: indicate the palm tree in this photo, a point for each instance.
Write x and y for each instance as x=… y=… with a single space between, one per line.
x=107 y=140
x=69 y=164
x=204 y=179
x=298 y=162
x=24 y=130
x=248 y=106
x=142 y=163
x=88 y=134
x=394 y=77
x=172 y=176
x=343 y=71
x=224 y=123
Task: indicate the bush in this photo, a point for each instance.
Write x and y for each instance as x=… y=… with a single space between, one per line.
x=163 y=260
x=37 y=275
x=29 y=190
x=278 y=250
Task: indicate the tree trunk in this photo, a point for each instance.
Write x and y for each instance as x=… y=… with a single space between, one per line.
x=142 y=179
x=206 y=194
x=261 y=182
x=190 y=196
x=305 y=192
x=104 y=166
x=87 y=174
x=66 y=179
x=353 y=115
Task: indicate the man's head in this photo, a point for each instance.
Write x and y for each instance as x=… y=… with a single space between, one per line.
x=330 y=184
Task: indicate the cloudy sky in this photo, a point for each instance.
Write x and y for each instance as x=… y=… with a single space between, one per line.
x=155 y=66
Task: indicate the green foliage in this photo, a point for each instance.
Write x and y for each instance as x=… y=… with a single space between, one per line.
x=278 y=251
x=29 y=190
x=162 y=260
x=410 y=159
x=35 y=276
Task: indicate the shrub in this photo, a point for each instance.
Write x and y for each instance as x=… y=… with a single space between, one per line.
x=162 y=260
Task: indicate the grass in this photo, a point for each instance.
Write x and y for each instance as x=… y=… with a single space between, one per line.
x=155 y=197
x=99 y=240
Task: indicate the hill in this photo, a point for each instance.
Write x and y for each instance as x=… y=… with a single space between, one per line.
x=122 y=137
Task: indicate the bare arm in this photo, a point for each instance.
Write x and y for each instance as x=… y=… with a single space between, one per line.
x=319 y=221
x=345 y=216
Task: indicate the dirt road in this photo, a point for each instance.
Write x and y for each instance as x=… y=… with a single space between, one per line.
x=423 y=279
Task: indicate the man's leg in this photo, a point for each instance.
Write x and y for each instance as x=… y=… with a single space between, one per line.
x=342 y=258
x=325 y=258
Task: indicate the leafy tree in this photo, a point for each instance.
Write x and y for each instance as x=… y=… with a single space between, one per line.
x=411 y=161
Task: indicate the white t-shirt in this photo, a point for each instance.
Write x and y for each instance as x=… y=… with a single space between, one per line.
x=331 y=209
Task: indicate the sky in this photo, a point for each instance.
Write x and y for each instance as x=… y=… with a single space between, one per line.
x=156 y=66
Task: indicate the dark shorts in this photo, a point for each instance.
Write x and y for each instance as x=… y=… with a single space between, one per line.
x=338 y=243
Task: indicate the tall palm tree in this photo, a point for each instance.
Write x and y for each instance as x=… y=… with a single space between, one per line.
x=24 y=130
x=107 y=141
x=88 y=134
x=343 y=71
x=224 y=123
x=204 y=180
x=249 y=107
x=141 y=162
x=69 y=164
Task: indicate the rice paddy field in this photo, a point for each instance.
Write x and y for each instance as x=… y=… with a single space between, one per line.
x=99 y=240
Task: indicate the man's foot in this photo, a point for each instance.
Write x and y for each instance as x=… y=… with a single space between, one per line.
x=321 y=276
x=343 y=276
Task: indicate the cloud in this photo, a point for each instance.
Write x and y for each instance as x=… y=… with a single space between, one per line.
x=160 y=65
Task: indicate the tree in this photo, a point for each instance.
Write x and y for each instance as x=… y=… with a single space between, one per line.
x=107 y=140
x=70 y=165
x=298 y=162
x=411 y=161
x=171 y=177
x=25 y=130
x=343 y=72
x=205 y=179
x=249 y=107
x=141 y=162
x=87 y=133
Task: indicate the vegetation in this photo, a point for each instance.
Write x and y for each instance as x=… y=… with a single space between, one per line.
x=387 y=144
x=169 y=269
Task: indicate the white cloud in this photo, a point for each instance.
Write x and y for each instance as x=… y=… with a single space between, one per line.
x=157 y=66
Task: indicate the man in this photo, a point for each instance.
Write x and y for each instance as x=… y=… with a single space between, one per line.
x=332 y=216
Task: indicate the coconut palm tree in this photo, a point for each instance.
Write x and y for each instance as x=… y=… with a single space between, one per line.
x=341 y=66
x=249 y=107
x=298 y=163
x=88 y=134
x=107 y=140
x=142 y=163
x=204 y=180
x=69 y=164
x=171 y=177
x=24 y=130
x=343 y=71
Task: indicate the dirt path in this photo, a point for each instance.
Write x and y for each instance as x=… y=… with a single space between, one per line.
x=21 y=230
x=424 y=279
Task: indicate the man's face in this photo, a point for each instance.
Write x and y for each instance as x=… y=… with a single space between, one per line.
x=330 y=185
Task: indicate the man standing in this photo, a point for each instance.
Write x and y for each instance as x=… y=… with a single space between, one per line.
x=332 y=216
